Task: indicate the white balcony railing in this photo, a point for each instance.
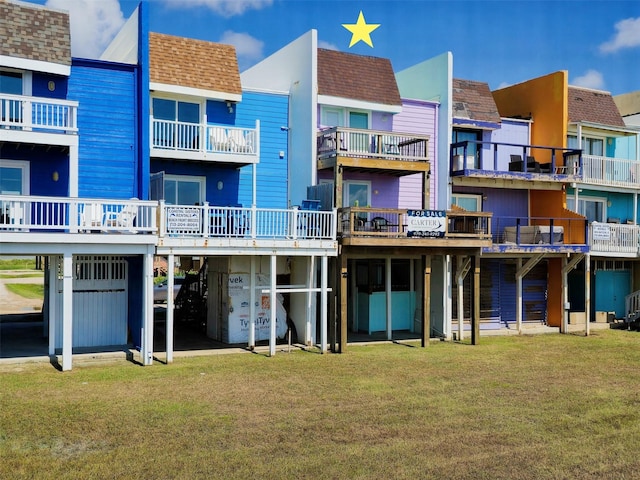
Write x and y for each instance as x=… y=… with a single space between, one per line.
x=610 y=171
x=37 y=114
x=76 y=215
x=614 y=238
x=206 y=221
x=177 y=136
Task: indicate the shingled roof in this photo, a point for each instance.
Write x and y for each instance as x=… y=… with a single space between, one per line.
x=34 y=33
x=593 y=106
x=357 y=77
x=193 y=63
x=473 y=100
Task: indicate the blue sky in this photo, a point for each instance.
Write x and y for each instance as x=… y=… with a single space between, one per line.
x=498 y=42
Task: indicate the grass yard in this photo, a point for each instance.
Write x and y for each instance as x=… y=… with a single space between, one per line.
x=26 y=290
x=529 y=407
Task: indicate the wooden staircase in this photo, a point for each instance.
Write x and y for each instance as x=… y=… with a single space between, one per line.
x=632 y=307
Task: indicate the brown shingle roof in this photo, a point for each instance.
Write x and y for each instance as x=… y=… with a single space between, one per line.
x=473 y=100
x=357 y=77
x=593 y=106
x=193 y=63
x=34 y=33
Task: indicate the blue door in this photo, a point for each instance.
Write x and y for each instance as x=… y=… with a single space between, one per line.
x=611 y=288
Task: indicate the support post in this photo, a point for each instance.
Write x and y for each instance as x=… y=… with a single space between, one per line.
x=308 y=335
x=387 y=291
x=565 y=296
x=272 y=307
x=475 y=313
x=252 y=304
x=147 y=308
x=323 y=303
x=67 y=310
x=343 y=304
x=519 y=296
x=426 y=302
x=587 y=293
x=169 y=319
x=53 y=310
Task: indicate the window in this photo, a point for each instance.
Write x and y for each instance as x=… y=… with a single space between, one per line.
x=359 y=120
x=356 y=194
x=14 y=177
x=11 y=82
x=166 y=109
x=331 y=117
x=473 y=152
x=592 y=208
x=184 y=190
x=471 y=203
x=590 y=146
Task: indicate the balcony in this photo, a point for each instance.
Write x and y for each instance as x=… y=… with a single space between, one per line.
x=204 y=142
x=539 y=234
x=27 y=118
x=184 y=225
x=379 y=226
x=29 y=214
x=614 y=239
x=374 y=151
x=511 y=161
x=613 y=172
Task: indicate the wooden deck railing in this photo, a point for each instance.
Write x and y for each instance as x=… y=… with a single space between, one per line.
x=38 y=114
x=352 y=142
x=399 y=223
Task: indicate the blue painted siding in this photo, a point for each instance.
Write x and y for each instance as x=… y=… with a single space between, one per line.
x=43 y=162
x=40 y=86
x=107 y=120
x=272 y=171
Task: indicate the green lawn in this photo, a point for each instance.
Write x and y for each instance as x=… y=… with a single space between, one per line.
x=528 y=407
x=26 y=290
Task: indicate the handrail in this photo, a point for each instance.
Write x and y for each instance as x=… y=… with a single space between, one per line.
x=76 y=215
x=610 y=171
x=204 y=221
x=614 y=238
x=38 y=113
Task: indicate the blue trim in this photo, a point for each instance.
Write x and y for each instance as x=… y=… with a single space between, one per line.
x=475 y=123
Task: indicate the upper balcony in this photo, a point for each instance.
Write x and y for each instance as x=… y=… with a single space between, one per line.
x=508 y=161
x=37 y=120
x=400 y=227
x=374 y=151
x=612 y=172
x=205 y=142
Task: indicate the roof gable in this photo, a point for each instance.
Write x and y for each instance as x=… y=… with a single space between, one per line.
x=594 y=106
x=193 y=64
x=357 y=77
x=33 y=32
x=473 y=101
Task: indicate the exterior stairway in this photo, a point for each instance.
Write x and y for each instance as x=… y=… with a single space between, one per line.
x=191 y=301
x=632 y=307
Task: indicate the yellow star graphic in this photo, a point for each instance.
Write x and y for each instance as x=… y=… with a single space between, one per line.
x=361 y=31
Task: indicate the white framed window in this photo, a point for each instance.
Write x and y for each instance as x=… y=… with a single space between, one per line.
x=341 y=117
x=470 y=202
x=594 y=208
x=590 y=145
x=184 y=189
x=176 y=110
x=15 y=82
x=331 y=116
x=14 y=177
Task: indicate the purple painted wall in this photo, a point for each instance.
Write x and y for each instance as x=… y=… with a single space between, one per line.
x=418 y=117
x=511 y=131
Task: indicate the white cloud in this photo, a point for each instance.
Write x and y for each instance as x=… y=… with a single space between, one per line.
x=226 y=8
x=327 y=45
x=504 y=85
x=627 y=36
x=94 y=23
x=248 y=48
x=591 y=79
